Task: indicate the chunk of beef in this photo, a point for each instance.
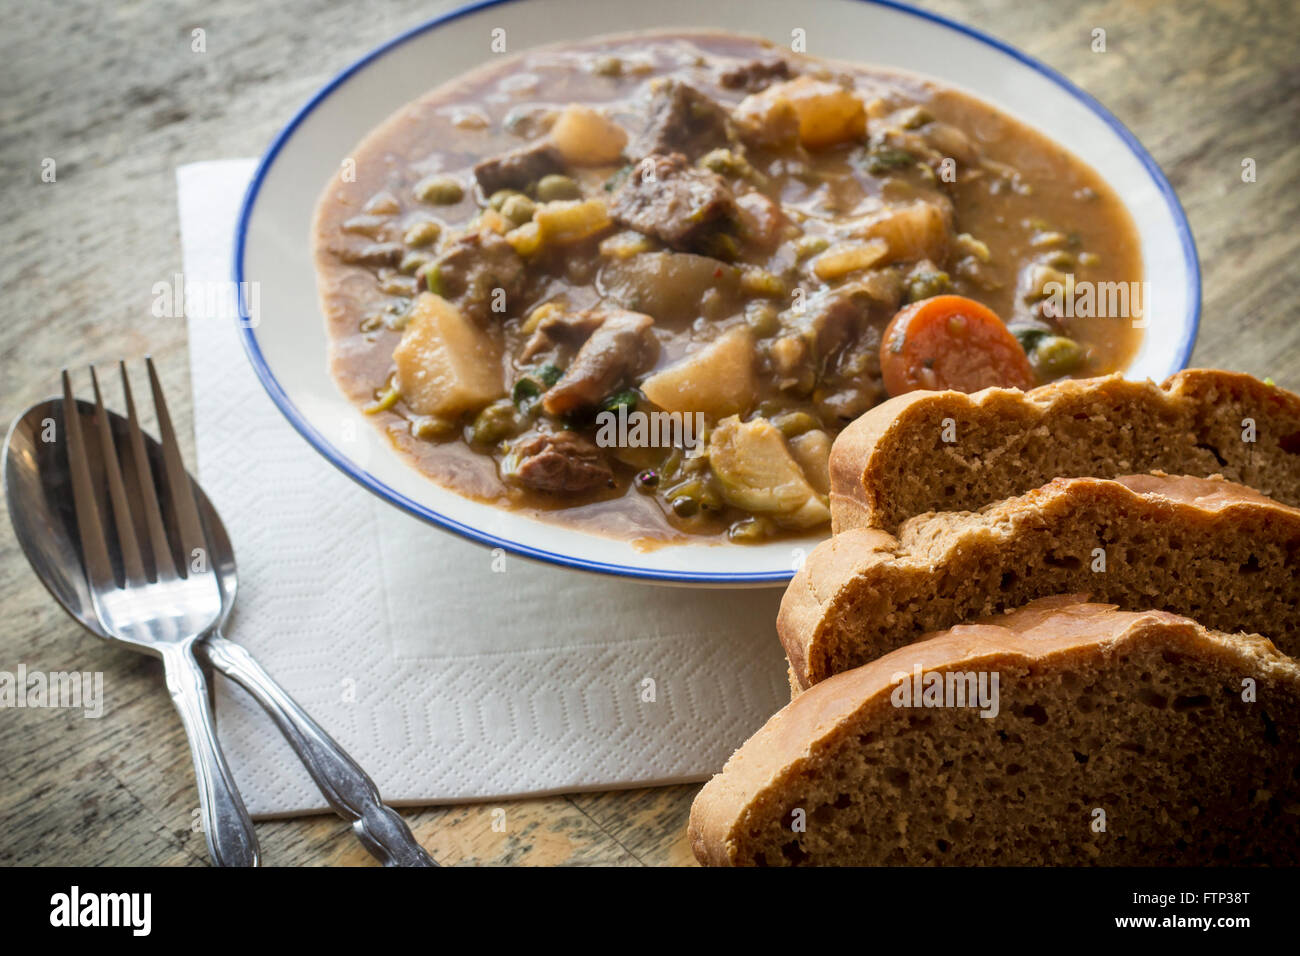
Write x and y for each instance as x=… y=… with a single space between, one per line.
x=831 y=328
x=677 y=203
x=518 y=168
x=559 y=463
x=683 y=120
x=470 y=270
x=561 y=330
x=836 y=317
x=620 y=347
x=757 y=74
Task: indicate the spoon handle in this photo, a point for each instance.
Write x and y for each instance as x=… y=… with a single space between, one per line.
x=344 y=784
x=226 y=824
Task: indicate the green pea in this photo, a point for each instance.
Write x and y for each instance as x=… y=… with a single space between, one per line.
x=496 y=422
x=440 y=190
x=422 y=233
x=518 y=209
x=791 y=424
x=433 y=278
x=926 y=284
x=725 y=163
x=498 y=198
x=412 y=263
x=1055 y=356
x=691 y=496
x=432 y=427
x=555 y=187
x=763 y=318
x=684 y=506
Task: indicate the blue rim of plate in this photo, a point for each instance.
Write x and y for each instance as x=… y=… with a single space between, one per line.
x=373 y=484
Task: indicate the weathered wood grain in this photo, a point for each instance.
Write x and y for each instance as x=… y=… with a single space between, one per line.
x=115 y=96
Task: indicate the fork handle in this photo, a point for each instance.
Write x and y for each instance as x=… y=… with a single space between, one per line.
x=351 y=793
x=226 y=824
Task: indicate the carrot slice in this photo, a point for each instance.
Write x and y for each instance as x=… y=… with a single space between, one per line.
x=950 y=341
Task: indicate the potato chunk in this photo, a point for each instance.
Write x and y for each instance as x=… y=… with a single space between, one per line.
x=718 y=380
x=812 y=451
x=446 y=365
x=918 y=231
x=772 y=124
x=846 y=257
x=669 y=285
x=560 y=223
x=585 y=137
x=758 y=473
x=827 y=113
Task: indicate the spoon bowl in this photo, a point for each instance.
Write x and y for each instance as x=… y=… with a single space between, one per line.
x=38 y=490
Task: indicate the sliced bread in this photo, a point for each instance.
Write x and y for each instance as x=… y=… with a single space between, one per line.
x=1213 y=550
x=1107 y=737
x=949 y=451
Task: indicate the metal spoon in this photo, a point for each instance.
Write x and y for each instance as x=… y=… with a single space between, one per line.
x=38 y=490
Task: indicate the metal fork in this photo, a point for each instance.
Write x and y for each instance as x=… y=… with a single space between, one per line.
x=158 y=600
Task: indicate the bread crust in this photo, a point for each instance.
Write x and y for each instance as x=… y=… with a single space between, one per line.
x=868 y=568
x=1061 y=631
x=900 y=439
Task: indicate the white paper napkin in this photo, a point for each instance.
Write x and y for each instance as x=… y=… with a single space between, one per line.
x=447 y=679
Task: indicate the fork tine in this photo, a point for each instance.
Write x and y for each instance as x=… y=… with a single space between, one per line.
x=178 y=482
x=94 y=547
x=132 y=565
x=162 y=552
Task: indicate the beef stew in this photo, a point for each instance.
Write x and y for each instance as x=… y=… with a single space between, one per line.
x=638 y=284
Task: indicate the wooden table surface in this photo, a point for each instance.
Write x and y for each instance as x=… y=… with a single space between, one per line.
x=115 y=96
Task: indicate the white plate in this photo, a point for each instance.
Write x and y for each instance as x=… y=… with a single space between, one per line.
x=288 y=345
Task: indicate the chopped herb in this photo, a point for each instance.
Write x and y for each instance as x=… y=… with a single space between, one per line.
x=628 y=397
x=1029 y=337
x=525 y=389
x=617 y=179
x=532 y=383
x=883 y=159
